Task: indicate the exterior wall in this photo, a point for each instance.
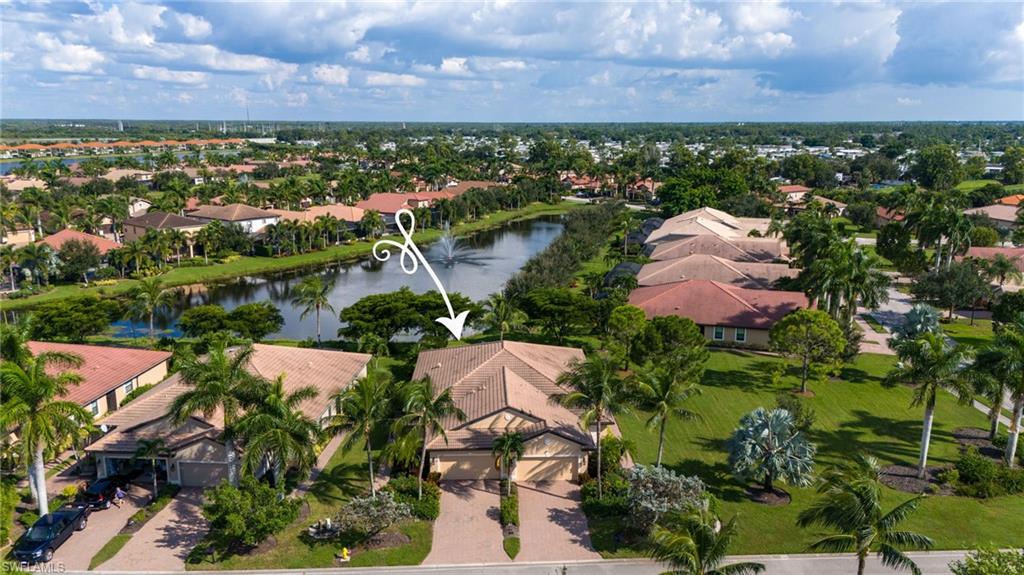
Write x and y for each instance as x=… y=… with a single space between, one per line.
x=756 y=338
x=205 y=451
x=550 y=445
x=464 y=465
x=549 y=458
x=501 y=422
x=153 y=375
x=19 y=237
x=132 y=233
x=250 y=226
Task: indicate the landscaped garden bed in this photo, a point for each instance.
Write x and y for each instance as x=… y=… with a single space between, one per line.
x=509 y=517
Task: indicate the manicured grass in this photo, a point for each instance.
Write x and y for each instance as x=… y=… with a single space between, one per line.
x=977 y=335
x=855 y=413
x=975 y=184
x=511 y=545
x=108 y=550
x=874 y=323
x=253 y=265
x=344 y=477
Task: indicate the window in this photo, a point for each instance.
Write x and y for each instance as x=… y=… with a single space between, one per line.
x=128 y=387
x=94 y=407
x=719 y=334
x=741 y=334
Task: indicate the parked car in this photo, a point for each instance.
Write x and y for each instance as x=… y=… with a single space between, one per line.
x=100 y=493
x=48 y=533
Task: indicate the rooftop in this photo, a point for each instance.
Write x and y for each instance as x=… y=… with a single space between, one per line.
x=104 y=368
x=708 y=302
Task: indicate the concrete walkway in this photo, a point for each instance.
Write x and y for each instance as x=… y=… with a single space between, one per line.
x=78 y=551
x=467 y=531
x=872 y=341
x=552 y=525
x=165 y=541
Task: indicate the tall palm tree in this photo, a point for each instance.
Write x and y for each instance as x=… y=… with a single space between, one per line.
x=851 y=504
x=597 y=390
x=277 y=434
x=151 y=449
x=929 y=364
x=177 y=240
x=32 y=404
x=692 y=542
x=662 y=389
x=222 y=382
x=148 y=296
x=989 y=380
x=426 y=412
x=508 y=448
x=313 y=295
x=360 y=408
x=39 y=258
x=1002 y=268
x=9 y=259
x=1009 y=341
x=501 y=315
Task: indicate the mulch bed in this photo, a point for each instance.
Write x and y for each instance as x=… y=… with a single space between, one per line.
x=773 y=498
x=976 y=437
x=904 y=478
x=804 y=394
x=385 y=540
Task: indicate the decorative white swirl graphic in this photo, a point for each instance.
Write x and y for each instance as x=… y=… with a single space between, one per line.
x=410 y=259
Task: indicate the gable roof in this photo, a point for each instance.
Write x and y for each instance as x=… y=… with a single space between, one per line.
x=754 y=275
x=794 y=189
x=998 y=212
x=350 y=214
x=104 y=368
x=1012 y=200
x=707 y=221
x=164 y=221
x=1016 y=255
x=231 y=213
x=735 y=249
x=57 y=240
x=709 y=302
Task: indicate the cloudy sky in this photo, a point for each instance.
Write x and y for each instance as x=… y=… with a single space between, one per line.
x=509 y=61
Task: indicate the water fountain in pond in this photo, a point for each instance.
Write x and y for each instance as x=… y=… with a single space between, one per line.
x=453 y=251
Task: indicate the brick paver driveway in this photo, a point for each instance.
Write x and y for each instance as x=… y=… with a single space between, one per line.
x=467 y=531
x=552 y=525
x=76 y=552
x=166 y=540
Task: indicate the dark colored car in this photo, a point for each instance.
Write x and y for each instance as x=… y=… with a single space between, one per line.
x=100 y=493
x=48 y=533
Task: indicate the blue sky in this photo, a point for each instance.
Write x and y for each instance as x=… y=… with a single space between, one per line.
x=504 y=61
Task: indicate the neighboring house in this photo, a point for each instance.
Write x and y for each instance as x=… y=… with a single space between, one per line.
x=350 y=214
x=1014 y=200
x=794 y=205
x=388 y=204
x=18 y=236
x=505 y=386
x=707 y=221
x=197 y=456
x=135 y=228
x=885 y=216
x=16 y=185
x=251 y=219
x=108 y=373
x=751 y=275
x=57 y=240
x=1002 y=215
x=116 y=174
x=796 y=191
x=735 y=249
x=1016 y=255
x=726 y=314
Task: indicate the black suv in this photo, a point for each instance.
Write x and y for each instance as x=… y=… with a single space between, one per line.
x=48 y=533
x=100 y=493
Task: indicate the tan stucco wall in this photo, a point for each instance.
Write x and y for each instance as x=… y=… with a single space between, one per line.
x=205 y=450
x=454 y=465
x=498 y=422
x=132 y=233
x=550 y=445
x=755 y=337
x=153 y=375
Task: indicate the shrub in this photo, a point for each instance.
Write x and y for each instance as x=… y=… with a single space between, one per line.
x=403 y=488
x=8 y=500
x=989 y=562
x=28 y=518
x=511 y=545
x=136 y=392
x=367 y=516
x=654 y=491
x=69 y=493
x=510 y=510
x=803 y=415
x=614 y=501
x=980 y=476
x=612 y=450
x=246 y=515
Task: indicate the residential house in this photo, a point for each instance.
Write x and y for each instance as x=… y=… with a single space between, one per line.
x=501 y=387
x=726 y=314
x=735 y=249
x=794 y=193
x=251 y=219
x=1004 y=216
x=57 y=240
x=751 y=275
x=1016 y=255
x=135 y=228
x=708 y=221
x=16 y=185
x=197 y=454
x=108 y=373
x=1012 y=200
x=116 y=174
x=349 y=214
x=18 y=235
x=885 y=216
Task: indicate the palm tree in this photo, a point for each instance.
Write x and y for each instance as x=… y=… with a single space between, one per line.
x=427 y=410
x=148 y=296
x=1009 y=341
x=313 y=295
x=220 y=382
x=597 y=390
x=8 y=259
x=851 y=504
x=508 y=448
x=277 y=434
x=151 y=449
x=177 y=240
x=32 y=404
x=662 y=390
x=360 y=408
x=692 y=542
x=929 y=364
x=372 y=223
x=501 y=315
x=1002 y=268
x=39 y=258
x=989 y=380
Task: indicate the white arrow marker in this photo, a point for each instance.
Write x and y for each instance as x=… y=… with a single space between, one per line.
x=410 y=259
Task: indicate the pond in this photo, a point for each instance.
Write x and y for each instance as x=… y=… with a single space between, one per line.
x=474 y=266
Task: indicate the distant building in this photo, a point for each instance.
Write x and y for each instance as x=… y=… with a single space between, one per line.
x=251 y=219
x=750 y=275
x=135 y=228
x=57 y=240
x=1004 y=216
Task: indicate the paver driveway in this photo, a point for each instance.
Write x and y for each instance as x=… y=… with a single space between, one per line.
x=552 y=525
x=467 y=531
x=165 y=541
x=76 y=552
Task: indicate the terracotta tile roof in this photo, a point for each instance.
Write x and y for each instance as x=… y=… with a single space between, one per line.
x=104 y=368
x=58 y=239
x=889 y=215
x=1014 y=200
x=794 y=189
x=385 y=203
x=164 y=221
x=735 y=249
x=1014 y=254
x=708 y=302
x=347 y=213
x=489 y=378
x=231 y=213
x=705 y=267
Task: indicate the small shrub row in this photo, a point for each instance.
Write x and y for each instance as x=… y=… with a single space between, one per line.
x=510 y=507
x=981 y=476
x=405 y=490
x=163 y=497
x=8 y=500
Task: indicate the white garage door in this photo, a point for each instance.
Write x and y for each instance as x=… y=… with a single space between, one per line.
x=203 y=474
x=548 y=469
x=468 y=467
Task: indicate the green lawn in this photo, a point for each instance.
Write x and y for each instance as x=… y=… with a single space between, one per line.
x=253 y=265
x=874 y=323
x=344 y=477
x=961 y=330
x=109 y=549
x=975 y=184
x=857 y=413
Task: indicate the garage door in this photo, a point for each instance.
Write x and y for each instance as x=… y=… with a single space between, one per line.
x=203 y=474
x=468 y=467
x=546 y=469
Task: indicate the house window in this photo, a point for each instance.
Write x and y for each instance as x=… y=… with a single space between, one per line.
x=128 y=387
x=740 y=335
x=719 y=333
x=94 y=408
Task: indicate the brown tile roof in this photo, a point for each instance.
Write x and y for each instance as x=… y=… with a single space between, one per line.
x=164 y=221
x=708 y=302
x=1016 y=255
x=489 y=378
x=704 y=267
x=735 y=249
x=707 y=221
x=231 y=213
x=889 y=215
x=58 y=239
x=385 y=203
x=347 y=213
x=998 y=212
x=104 y=368
x=794 y=189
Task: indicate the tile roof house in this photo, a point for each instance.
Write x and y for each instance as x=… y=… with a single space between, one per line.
x=350 y=214
x=1004 y=215
x=135 y=228
x=725 y=313
x=735 y=249
x=1016 y=255
x=707 y=221
x=1012 y=200
x=752 y=275
x=505 y=386
x=108 y=373
x=197 y=454
x=251 y=219
x=57 y=240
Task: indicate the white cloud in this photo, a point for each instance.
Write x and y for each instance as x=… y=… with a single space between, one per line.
x=454 y=67
x=296 y=100
x=389 y=79
x=126 y=24
x=61 y=57
x=331 y=74
x=185 y=98
x=602 y=79
x=164 y=75
x=764 y=16
x=193 y=26
x=360 y=54
x=773 y=43
x=904 y=101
